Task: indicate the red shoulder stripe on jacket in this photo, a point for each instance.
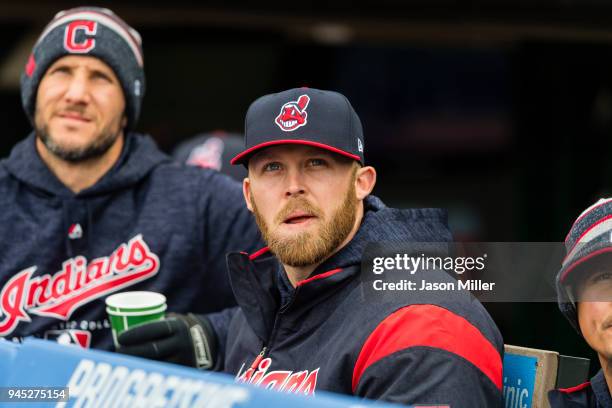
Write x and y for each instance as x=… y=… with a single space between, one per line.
x=576 y=388
x=429 y=326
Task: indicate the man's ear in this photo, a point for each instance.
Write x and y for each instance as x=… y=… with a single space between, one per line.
x=246 y=192
x=365 y=180
x=124 y=121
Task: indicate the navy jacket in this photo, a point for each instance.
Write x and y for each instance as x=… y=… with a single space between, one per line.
x=432 y=349
x=148 y=224
x=592 y=394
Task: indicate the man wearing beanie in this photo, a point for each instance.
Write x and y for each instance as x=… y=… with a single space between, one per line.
x=90 y=208
x=584 y=291
x=304 y=324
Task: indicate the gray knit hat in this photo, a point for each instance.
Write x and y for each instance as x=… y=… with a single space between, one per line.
x=92 y=31
x=590 y=237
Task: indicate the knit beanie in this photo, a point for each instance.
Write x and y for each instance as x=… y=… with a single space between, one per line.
x=589 y=238
x=95 y=32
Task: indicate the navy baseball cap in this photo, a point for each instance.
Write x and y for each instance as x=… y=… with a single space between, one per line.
x=306 y=116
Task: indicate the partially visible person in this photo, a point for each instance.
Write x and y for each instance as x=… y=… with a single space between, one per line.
x=89 y=207
x=212 y=151
x=584 y=290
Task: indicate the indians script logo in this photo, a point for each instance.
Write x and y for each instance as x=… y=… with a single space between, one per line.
x=293 y=114
x=77 y=283
x=301 y=382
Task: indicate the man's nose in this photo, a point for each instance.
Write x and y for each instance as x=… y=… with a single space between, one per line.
x=78 y=90
x=295 y=184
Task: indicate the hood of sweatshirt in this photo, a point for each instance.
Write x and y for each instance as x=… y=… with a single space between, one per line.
x=138 y=157
x=137 y=160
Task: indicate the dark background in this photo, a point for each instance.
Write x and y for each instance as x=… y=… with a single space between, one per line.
x=499 y=111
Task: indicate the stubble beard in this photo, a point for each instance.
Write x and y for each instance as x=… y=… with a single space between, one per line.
x=308 y=248
x=102 y=143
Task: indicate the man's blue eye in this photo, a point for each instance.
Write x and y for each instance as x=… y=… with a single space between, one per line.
x=271 y=167
x=317 y=162
x=101 y=76
x=60 y=70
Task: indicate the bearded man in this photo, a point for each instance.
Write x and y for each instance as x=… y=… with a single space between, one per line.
x=89 y=207
x=303 y=322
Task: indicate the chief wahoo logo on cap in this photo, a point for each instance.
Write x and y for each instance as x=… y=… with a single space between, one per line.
x=293 y=114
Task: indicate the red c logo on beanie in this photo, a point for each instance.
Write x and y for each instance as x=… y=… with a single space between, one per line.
x=70 y=44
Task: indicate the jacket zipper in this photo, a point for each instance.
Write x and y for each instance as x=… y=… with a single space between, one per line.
x=258 y=358
x=266 y=345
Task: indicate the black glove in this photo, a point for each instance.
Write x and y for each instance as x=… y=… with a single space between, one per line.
x=181 y=339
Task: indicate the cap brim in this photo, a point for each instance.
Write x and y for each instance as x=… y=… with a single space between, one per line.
x=244 y=156
x=580 y=259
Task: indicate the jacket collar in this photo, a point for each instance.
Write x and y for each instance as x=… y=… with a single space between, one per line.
x=256 y=282
x=254 y=278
